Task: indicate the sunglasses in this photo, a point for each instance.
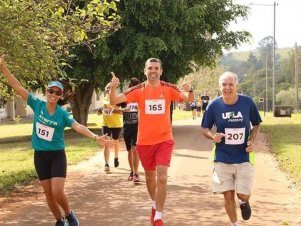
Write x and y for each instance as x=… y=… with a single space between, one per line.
x=57 y=92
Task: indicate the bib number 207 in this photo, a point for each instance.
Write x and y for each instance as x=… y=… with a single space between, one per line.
x=235 y=136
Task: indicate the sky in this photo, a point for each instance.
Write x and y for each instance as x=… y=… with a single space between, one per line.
x=261 y=19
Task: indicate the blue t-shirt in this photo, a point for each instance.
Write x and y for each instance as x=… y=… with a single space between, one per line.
x=235 y=122
x=48 y=130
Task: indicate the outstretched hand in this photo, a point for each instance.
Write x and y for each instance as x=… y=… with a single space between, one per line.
x=103 y=141
x=186 y=85
x=115 y=81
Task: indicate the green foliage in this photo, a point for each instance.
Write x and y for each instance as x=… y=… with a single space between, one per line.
x=253 y=70
x=287 y=97
x=177 y=32
x=183 y=34
x=204 y=79
x=36 y=36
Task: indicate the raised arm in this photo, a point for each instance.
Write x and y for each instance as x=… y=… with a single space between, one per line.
x=101 y=140
x=187 y=89
x=15 y=84
x=114 y=98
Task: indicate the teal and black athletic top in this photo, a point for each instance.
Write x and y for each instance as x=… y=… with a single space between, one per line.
x=48 y=130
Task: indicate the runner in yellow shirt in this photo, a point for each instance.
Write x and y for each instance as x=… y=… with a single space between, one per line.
x=112 y=125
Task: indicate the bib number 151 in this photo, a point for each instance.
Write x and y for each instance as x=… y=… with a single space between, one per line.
x=44 y=132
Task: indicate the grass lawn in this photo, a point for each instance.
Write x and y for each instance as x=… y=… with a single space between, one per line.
x=19 y=154
x=285 y=140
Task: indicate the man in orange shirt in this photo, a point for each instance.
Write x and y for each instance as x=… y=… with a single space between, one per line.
x=155 y=140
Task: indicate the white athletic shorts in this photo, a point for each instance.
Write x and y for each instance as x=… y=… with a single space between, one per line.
x=232 y=177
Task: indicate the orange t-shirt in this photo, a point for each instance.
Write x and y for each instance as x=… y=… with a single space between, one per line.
x=154 y=111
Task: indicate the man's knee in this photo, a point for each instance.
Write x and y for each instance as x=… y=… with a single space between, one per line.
x=229 y=196
x=150 y=175
x=243 y=197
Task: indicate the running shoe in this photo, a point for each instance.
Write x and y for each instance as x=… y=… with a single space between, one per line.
x=245 y=210
x=131 y=177
x=72 y=220
x=60 y=222
x=116 y=162
x=158 y=222
x=107 y=167
x=152 y=216
x=136 y=178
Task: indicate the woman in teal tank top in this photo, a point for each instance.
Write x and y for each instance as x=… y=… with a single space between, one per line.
x=49 y=123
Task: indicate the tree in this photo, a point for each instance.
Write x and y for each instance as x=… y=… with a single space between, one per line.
x=183 y=34
x=36 y=35
x=204 y=79
x=265 y=49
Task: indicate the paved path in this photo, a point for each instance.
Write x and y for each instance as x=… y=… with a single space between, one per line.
x=101 y=199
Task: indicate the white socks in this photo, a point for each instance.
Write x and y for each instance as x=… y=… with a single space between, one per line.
x=158 y=215
x=241 y=202
x=154 y=204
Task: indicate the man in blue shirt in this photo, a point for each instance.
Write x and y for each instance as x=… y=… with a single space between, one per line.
x=237 y=123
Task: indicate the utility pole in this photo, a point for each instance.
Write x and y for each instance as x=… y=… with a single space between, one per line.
x=296 y=78
x=274 y=56
x=254 y=89
x=266 y=83
x=274 y=46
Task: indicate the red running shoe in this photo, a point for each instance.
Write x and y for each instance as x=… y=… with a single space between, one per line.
x=158 y=222
x=152 y=216
x=136 y=178
x=130 y=176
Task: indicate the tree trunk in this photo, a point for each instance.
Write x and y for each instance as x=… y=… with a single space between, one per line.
x=81 y=102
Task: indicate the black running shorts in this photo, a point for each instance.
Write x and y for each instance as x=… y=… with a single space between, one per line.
x=50 y=164
x=130 y=135
x=114 y=132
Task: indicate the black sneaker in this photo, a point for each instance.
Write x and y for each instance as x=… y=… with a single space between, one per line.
x=116 y=162
x=72 y=220
x=60 y=222
x=107 y=167
x=245 y=210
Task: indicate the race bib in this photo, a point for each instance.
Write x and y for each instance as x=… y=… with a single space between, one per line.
x=235 y=135
x=133 y=107
x=44 y=132
x=107 y=111
x=155 y=107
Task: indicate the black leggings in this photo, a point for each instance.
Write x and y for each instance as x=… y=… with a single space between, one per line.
x=130 y=135
x=50 y=164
